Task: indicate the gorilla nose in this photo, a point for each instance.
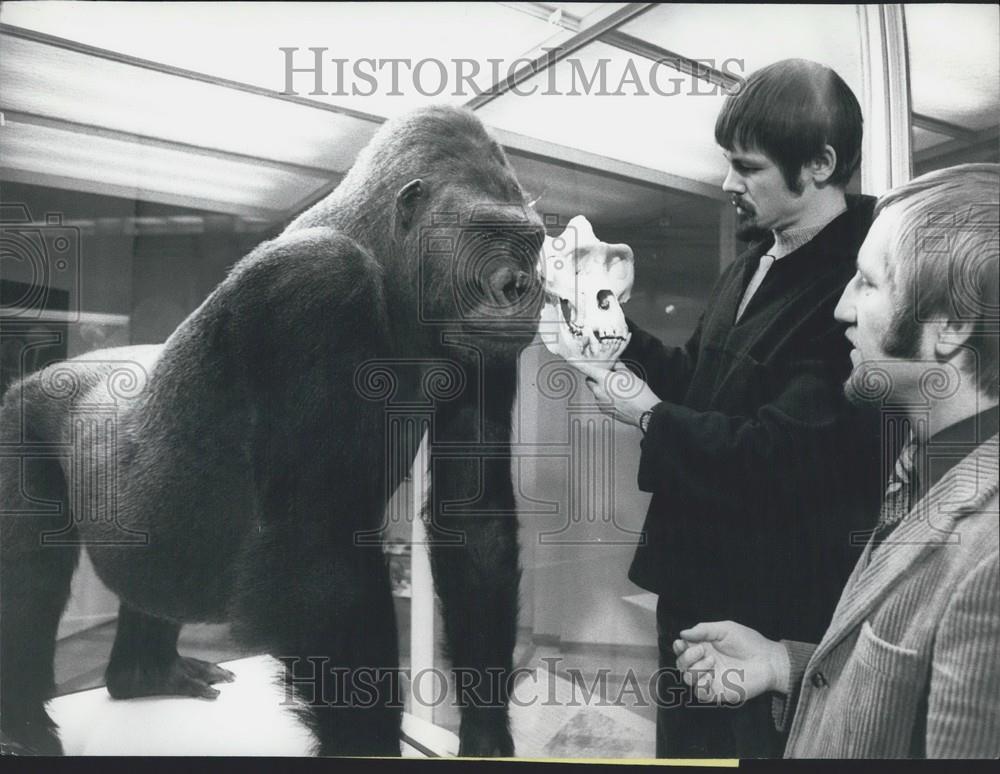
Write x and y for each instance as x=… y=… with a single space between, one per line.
x=507 y=285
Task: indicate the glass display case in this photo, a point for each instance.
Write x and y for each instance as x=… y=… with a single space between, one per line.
x=156 y=144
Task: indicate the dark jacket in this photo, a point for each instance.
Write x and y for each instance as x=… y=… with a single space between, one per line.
x=759 y=468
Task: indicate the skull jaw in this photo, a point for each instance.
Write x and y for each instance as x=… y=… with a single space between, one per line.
x=578 y=336
x=601 y=334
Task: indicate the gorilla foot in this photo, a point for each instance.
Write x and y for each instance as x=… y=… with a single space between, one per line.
x=485 y=734
x=179 y=677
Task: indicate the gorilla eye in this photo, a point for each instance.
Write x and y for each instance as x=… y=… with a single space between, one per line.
x=491 y=236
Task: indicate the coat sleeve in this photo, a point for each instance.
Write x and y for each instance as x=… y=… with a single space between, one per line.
x=963 y=713
x=667 y=370
x=732 y=460
x=783 y=705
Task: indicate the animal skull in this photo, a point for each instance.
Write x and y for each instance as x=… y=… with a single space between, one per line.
x=586 y=282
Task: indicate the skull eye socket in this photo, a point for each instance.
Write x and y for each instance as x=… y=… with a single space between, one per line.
x=604 y=298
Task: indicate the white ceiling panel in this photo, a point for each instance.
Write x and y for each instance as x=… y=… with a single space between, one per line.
x=756 y=35
x=147 y=172
x=49 y=81
x=671 y=134
x=955 y=62
x=675 y=133
x=242 y=42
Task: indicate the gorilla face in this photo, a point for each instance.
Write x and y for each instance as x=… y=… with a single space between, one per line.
x=480 y=273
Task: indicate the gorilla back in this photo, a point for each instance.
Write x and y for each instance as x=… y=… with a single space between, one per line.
x=236 y=471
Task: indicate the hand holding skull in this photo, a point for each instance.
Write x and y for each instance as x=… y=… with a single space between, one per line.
x=620 y=393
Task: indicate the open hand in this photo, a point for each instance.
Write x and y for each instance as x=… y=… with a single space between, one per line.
x=728 y=663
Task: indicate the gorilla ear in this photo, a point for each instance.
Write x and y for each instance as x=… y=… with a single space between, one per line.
x=406 y=201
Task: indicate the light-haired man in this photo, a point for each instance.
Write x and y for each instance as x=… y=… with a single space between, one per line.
x=910 y=664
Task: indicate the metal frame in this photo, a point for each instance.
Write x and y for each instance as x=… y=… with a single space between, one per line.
x=633 y=45
x=983 y=138
x=938 y=126
x=886 y=160
x=264 y=216
x=549 y=58
x=575 y=159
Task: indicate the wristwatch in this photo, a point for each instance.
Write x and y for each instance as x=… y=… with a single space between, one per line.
x=644 y=418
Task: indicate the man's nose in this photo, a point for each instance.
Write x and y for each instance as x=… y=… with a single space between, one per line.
x=733 y=184
x=844 y=312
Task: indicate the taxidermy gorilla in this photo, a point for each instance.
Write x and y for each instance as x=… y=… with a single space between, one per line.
x=227 y=474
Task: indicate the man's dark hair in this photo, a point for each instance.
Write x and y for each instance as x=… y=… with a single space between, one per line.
x=789 y=110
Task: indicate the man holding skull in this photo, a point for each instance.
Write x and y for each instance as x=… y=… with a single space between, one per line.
x=746 y=431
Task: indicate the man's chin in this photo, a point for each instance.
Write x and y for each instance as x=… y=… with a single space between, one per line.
x=868 y=385
x=749 y=231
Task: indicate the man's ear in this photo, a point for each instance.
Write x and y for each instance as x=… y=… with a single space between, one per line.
x=823 y=166
x=406 y=201
x=950 y=335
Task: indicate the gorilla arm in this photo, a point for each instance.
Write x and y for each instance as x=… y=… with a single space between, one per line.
x=311 y=312
x=474 y=553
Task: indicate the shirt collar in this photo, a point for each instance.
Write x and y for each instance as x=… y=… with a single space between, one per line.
x=950 y=445
x=791 y=239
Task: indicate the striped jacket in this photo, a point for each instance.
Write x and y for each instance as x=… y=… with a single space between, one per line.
x=910 y=664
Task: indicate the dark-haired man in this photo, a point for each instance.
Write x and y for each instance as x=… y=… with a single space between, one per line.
x=758 y=467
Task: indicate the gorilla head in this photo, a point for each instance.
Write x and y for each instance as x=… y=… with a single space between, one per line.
x=433 y=198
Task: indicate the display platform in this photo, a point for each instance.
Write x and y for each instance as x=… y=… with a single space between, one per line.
x=251 y=716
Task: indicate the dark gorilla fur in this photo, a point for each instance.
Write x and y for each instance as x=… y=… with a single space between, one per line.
x=246 y=459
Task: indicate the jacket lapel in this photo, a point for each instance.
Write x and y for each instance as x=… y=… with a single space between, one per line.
x=728 y=302
x=929 y=525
